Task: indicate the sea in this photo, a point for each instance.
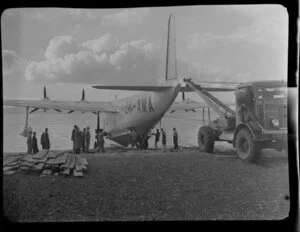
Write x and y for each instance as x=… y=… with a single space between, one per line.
x=60 y=127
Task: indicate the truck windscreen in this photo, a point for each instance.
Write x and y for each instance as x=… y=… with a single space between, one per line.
x=272 y=92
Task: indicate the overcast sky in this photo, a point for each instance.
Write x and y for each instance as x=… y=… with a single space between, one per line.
x=70 y=49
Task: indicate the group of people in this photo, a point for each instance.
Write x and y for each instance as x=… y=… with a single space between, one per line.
x=164 y=139
x=32 y=144
x=81 y=139
x=141 y=141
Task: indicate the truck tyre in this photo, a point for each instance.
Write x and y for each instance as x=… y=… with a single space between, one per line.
x=246 y=148
x=206 y=139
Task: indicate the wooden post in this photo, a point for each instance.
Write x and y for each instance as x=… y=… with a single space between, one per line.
x=208 y=114
x=26 y=119
x=98 y=121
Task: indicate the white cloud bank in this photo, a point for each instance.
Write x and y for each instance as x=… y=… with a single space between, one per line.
x=102 y=61
x=10 y=62
x=126 y=17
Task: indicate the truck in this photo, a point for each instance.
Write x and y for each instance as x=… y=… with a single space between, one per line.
x=259 y=120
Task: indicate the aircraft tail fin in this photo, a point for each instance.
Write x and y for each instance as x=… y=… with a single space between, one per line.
x=168 y=64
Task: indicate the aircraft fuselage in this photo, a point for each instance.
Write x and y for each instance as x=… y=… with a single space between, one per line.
x=141 y=111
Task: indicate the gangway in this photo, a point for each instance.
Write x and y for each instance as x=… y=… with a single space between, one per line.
x=222 y=109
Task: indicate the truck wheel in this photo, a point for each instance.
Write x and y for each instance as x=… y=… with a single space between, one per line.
x=206 y=139
x=246 y=148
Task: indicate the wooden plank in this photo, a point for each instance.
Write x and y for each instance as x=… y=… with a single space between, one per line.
x=13 y=164
x=50 y=161
x=11 y=159
x=66 y=172
x=47 y=172
x=44 y=160
x=84 y=161
x=65 y=158
x=77 y=174
x=61 y=159
x=27 y=164
x=40 y=155
x=24 y=169
x=38 y=167
x=10 y=168
x=71 y=164
x=84 y=169
x=54 y=154
x=9 y=172
x=30 y=160
x=79 y=165
x=66 y=164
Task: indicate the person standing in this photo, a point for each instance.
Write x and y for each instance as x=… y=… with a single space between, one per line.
x=100 y=141
x=87 y=139
x=35 y=148
x=29 y=143
x=133 y=138
x=164 y=139
x=157 y=135
x=45 y=141
x=175 y=139
x=83 y=140
x=77 y=138
x=73 y=138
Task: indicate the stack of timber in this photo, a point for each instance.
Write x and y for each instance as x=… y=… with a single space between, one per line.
x=47 y=163
x=11 y=164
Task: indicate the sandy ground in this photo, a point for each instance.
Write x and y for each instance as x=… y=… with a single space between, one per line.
x=152 y=185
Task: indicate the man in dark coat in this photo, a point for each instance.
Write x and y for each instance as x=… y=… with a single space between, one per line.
x=87 y=139
x=175 y=139
x=100 y=138
x=34 y=144
x=83 y=140
x=29 y=143
x=45 y=141
x=164 y=139
x=157 y=135
x=77 y=140
x=73 y=138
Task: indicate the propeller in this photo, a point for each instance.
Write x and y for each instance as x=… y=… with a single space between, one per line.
x=83 y=95
x=45 y=97
x=81 y=100
x=45 y=93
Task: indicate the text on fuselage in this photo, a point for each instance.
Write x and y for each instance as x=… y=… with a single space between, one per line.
x=142 y=105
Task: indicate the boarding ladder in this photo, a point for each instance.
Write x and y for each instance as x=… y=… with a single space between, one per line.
x=222 y=109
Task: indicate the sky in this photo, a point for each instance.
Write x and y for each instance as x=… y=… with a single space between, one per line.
x=67 y=49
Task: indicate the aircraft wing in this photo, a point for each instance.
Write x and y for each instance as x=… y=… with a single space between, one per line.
x=212 y=86
x=186 y=106
x=63 y=105
x=189 y=105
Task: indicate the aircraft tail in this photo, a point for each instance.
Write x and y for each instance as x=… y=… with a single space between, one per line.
x=167 y=75
x=168 y=65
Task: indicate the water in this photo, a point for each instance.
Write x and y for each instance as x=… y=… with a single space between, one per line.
x=60 y=127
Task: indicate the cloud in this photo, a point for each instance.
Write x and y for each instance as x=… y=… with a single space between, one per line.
x=126 y=17
x=11 y=61
x=257 y=50
x=101 y=61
